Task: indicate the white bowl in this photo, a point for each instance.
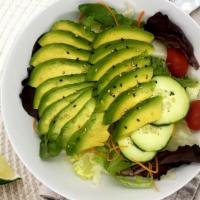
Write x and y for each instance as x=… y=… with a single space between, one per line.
x=57 y=174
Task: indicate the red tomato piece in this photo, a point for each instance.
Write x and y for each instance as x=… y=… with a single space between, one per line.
x=193 y=116
x=177 y=62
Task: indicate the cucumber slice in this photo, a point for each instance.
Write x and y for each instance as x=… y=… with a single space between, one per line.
x=152 y=138
x=53 y=51
x=133 y=153
x=54 y=83
x=64 y=37
x=175 y=103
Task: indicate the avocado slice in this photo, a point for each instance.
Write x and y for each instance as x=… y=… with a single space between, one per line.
x=128 y=65
x=54 y=83
x=100 y=68
x=61 y=92
x=64 y=37
x=145 y=113
x=75 y=28
x=51 y=111
x=67 y=114
x=54 y=68
x=114 y=46
x=122 y=83
x=77 y=122
x=53 y=51
x=93 y=134
x=122 y=33
x=128 y=100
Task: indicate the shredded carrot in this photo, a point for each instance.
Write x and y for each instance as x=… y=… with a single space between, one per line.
x=113 y=146
x=111 y=12
x=139 y=19
x=35 y=125
x=153 y=181
x=80 y=17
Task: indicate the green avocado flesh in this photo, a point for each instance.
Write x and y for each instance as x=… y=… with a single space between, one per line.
x=55 y=68
x=100 y=68
x=127 y=65
x=147 y=112
x=51 y=111
x=94 y=133
x=77 y=122
x=75 y=28
x=64 y=37
x=67 y=114
x=122 y=83
x=53 y=51
x=111 y=47
x=61 y=92
x=122 y=33
x=128 y=100
x=54 y=83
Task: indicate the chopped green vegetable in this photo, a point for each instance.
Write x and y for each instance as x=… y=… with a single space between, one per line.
x=187 y=82
x=135 y=182
x=117 y=165
x=101 y=14
x=159 y=67
x=193 y=92
x=87 y=168
x=183 y=136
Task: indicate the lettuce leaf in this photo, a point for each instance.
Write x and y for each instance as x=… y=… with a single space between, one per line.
x=193 y=92
x=183 y=136
x=187 y=82
x=86 y=167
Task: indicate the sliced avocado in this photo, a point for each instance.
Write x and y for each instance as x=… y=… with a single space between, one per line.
x=122 y=83
x=67 y=114
x=51 y=111
x=100 y=68
x=53 y=51
x=54 y=68
x=77 y=122
x=53 y=83
x=114 y=46
x=145 y=113
x=128 y=100
x=75 y=28
x=61 y=92
x=128 y=65
x=64 y=37
x=93 y=134
x=122 y=33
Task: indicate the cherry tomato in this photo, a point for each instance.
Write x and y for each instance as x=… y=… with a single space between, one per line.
x=193 y=116
x=176 y=62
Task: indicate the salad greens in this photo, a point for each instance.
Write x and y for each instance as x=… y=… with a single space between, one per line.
x=113 y=105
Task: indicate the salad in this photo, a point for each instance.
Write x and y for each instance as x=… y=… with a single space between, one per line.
x=113 y=92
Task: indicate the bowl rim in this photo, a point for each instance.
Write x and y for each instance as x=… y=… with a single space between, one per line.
x=5 y=70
